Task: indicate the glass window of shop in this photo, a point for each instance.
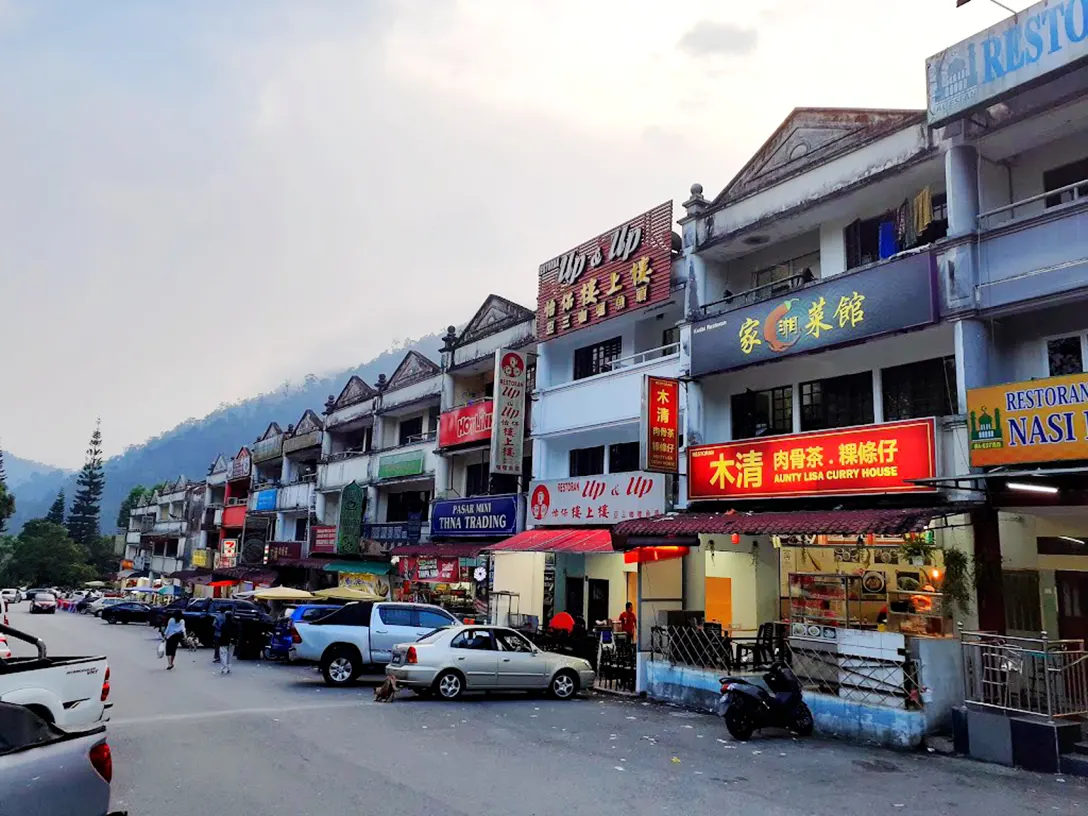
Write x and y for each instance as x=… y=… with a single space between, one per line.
x=587 y=461
x=763 y=413
x=408 y=505
x=837 y=402
x=923 y=389
x=623 y=458
x=596 y=359
x=1065 y=355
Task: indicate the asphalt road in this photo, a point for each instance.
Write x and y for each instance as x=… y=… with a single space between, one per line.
x=272 y=739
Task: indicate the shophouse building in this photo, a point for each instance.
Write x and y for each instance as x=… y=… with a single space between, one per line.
x=236 y=491
x=211 y=522
x=157 y=541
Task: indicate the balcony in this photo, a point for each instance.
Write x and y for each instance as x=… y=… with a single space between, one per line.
x=398 y=532
x=604 y=399
x=343 y=468
x=1034 y=255
x=263 y=499
x=297 y=496
x=415 y=458
x=132 y=537
x=213 y=518
x=171 y=527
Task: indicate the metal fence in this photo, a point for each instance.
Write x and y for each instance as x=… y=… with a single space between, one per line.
x=1038 y=676
x=691 y=646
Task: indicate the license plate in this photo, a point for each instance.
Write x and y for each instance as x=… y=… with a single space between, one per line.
x=396 y=660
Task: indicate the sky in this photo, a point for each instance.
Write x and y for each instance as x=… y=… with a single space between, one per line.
x=202 y=200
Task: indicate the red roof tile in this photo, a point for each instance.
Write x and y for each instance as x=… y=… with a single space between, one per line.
x=557 y=540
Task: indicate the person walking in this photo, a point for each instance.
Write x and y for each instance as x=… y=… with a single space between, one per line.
x=175 y=631
x=217 y=632
x=228 y=635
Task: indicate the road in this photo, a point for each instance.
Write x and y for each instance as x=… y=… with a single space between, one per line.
x=272 y=739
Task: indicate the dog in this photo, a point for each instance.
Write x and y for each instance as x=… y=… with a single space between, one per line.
x=387 y=691
x=191 y=642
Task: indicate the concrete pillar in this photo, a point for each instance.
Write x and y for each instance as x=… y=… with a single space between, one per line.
x=692 y=430
x=972 y=342
x=543 y=369
x=447 y=392
x=988 y=582
x=961 y=186
x=371 y=514
x=695 y=579
x=697 y=294
x=441 y=476
x=319 y=507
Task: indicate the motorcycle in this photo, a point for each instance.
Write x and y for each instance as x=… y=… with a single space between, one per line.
x=748 y=707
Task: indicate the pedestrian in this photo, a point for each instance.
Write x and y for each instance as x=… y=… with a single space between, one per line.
x=628 y=621
x=217 y=627
x=228 y=634
x=175 y=632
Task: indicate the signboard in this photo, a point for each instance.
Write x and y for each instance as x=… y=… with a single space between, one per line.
x=1037 y=421
x=278 y=550
x=324 y=538
x=469 y=423
x=841 y=310
x=265 y=501
x=435 y=570
x=1045 y=39
x=660 y=426
x=374 y=585
x=240 y=466
x=257 y=531
x=510 y=386
x=352 y=498
x=482 y=517
x=859 y=460
x=596 y=500
x=612 y=274
x=200 y=558
x=228 y=553
x=401 y=464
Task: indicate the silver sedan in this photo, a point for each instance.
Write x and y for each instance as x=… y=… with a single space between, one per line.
x=449 y=662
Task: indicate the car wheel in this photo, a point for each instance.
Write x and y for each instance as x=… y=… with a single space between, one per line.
x=564 y=685
x=340 y=666
x=449 y=685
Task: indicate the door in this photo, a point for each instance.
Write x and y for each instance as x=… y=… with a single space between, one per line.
x=576 y=596
x=598 y=601
x=520 y=665
x=391 y=624
x=474 y=652
x=1072 y=604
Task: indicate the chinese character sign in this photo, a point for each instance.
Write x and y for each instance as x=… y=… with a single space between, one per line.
x=859 y=460
x=508 y=423
x=621 y=270
x=840 y=310
x=660 y=424
x=596 y=500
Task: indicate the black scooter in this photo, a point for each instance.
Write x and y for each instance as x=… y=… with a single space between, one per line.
x=748 y=707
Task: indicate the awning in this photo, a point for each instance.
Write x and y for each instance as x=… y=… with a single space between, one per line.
x=558 y=540
x=189 y=575
x=440 y=550
x=303 y=563
x=254 y=576
x=1034 y=473
x=886 y=521
x=359 y=567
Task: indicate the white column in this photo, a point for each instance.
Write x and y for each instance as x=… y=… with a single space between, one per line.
x=878 y=395
x=972 y=341
x=697 y=294
x=961 y=186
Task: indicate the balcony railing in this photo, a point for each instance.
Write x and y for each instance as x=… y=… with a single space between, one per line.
x=760 y=293
x=340 y=456
x=1076 y=191
x=659 y=353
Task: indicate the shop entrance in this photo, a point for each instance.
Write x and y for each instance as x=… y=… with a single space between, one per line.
x=576 y=596
x=1072 y=590
x=598 y=601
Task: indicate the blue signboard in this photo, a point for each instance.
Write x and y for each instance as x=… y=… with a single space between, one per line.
x=481 y=517
x=266 y=500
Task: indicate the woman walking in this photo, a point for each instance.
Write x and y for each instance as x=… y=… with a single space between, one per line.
x=228 y=636
x=175 y=632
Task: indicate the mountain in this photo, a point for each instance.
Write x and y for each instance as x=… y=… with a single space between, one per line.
x=193 y=445
x=26 y=473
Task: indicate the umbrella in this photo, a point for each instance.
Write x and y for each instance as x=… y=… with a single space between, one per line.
x=95 y=584
x=346 y=594
x=283 y=594
x=170 y=590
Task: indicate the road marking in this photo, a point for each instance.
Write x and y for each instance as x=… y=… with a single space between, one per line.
x=227 y=712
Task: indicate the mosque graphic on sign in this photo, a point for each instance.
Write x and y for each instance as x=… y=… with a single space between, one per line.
x=953 y=77
x=986 y=430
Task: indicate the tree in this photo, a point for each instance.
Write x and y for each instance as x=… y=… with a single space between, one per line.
x=83 y=521
x=56 y=511
x=131 y=500
x=7 y=498
x=44 y=555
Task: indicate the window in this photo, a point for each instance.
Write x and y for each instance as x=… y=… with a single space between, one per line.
x=623 y=458
x=587 y=461
x=1064 y=356
x=429 y=619
x=489 y=390
x=410 y=428
x=837 y=402
x=354 y=614
x=477 y=639
x=670 y=337
x=512 y=642
x=300 y=530
x=597 y=358
x=1023 y=612
x=313 y=613
x=923 y=389
x=1062 y=177
x=763 y=413
x=409 y=505
x=396 y=615
x=477 y=479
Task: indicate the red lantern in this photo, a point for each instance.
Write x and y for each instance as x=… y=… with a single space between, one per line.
x=736 y=538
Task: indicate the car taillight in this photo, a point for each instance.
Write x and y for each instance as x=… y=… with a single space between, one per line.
x=725 y=687
x=295 y=636
x=102 y=760
x=106 y=685
x=411 y=656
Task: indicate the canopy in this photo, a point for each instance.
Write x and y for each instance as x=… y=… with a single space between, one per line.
x=346 y=594
x=171 y=590
x=359 y=567
x=557 y=540
x=95 y=584
x=283 y=594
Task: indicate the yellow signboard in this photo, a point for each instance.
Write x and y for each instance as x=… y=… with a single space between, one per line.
x=376 y=585
x=200 y=558
x=1036 y=421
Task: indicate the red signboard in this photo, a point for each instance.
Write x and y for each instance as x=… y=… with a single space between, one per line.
x=620 y=271
x=859 y=460
x=324 y=539
x=279 y=550
x=469 y=423
x=661 y=424
x=430 y=569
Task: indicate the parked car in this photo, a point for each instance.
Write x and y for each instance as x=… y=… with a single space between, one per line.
x=45 y=771
x=28 y=595
x=279 y=641
x=84 y=603
x=70 y=692
x=10 y=595
x=127 y=612
x=43 y=603
x=97 y=607
x=452 y=661
x=363 y=634
x=160 y=614
x=254 y=623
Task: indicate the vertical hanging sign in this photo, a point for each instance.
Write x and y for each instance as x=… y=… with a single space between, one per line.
x=660 y=437
x=508 y=425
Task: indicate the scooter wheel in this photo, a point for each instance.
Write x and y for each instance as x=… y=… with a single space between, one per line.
x=739 y=723
x=802 y=721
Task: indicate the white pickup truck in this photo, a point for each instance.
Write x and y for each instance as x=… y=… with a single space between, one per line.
x=363 y=634
x=69 y=692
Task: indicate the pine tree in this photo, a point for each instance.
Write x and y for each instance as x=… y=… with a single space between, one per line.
x=7 y=500
x=56 y=512
x=83 y=526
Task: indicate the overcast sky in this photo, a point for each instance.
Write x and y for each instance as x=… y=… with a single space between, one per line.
x=203 y=199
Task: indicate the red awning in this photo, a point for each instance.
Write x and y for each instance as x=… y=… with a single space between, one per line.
x=884 y=521
x=439 y=550
x=558 y=540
